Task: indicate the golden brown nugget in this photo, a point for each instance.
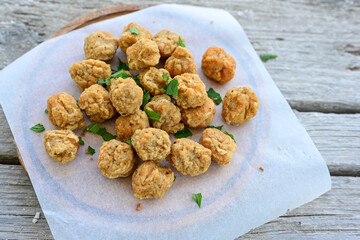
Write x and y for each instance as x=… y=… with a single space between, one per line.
x=142 y=54
x=199 y=117
x=181 y=61
x=218 y=65
x=167 y=41
x=95 y=101
x=125 y=96
x=125 y=126
x=189 y=157
x=64 y=112
x=152 y=80
x=169 y=114
x=221 y=145
x=152 y=180
x=87 y=72
x=100 y=45
x=61 y=145
x=128 y=38
x=151 y=144
x=192 y=92
x=239 y=105
x=116 y=159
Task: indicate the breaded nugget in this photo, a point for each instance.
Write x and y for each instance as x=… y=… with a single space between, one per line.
x=189 y=157
x=125 y=96
x=221 y=145
x=151 y=79
x=64 y=112
x=142 y=54
x=167 y=41
x=181 y=61
x=87 y=72
x=218 y=65
x=128 y=38
x=125 y=126
x=192 y=92
x=151 y=144
x=239 y=105
x=116 y=159
x=199 y=117
x=100 y=45
x=96 y=103
x=61 y=145
x=170 y=116
x=151 y=180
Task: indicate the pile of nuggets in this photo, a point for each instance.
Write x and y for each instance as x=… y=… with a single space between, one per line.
x=150 y=139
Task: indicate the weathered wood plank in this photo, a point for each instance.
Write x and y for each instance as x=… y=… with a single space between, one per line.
x=336 y=213
x=316 y=69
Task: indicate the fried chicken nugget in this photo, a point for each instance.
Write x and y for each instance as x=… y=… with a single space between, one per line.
x=100 y=45
x=142 y=54
x=125 y=126
x=199 y=117
x=128 y=38
x=61 y=145
x=152 y=80
x=167 y=41
x=181 y=61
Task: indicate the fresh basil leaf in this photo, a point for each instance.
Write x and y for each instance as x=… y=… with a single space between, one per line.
x=153 y=115
x=38 y=128
x=46 y=111
x=216 y=97
x=266 y=57
x=90 y=150
x=184 y=133
x=230 y=136
x=122 y=66
x=218 y=127
x=134 y=30
x=172 y=88
x=197 y=197
x=146 y=98
x=180 y=42
x=81 y=142
x=129 y=142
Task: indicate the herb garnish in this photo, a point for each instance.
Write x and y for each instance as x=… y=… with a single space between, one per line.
x=166 y=78
x=146 y=98
x=90 y=150
x=183 y=133
x=134 y=30
x=197 y=197
x=46 y=111
x=218 y=127
x=95 y=128
x=129 y=142
x=266 y=57
x=174 y=178
x=38 y=128
x=152 y=115
x=122 y=66
x=81 y=142
x=180 y=42
x=101 y=81
x=119 y=74
x=171 y=88
x=216 y=97
x=230 y=135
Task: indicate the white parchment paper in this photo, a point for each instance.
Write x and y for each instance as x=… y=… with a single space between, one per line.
x=79 y=203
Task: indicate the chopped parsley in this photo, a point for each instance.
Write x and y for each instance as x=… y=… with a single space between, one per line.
x=218 y=127
x=119 y=74
x=174 y=178
x=122 y=66
x=172 y=88
x=166 y=78
x=266 y=57
x=216 y=97
x=153 y=115
x=38 y=128
x=101 y=81
x=183 y=133
x=136 y=79
x=46 y=111
x=90 y=150
x=146 y=98
x=129 y=142
x=95 y=128
x=134 y=30
x=230 y=136
x=197 y=197
x=81 y=142
x=180 y=42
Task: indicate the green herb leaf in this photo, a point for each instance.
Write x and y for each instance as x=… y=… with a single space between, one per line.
x=38 y=128
x=108 y=136
x=101 y=81
x=81 y=142
x=152 y=115
x=122 y=66
x=174 y=178
x=218 y=127
x=129 y=142
x=46 y=111
x=266 y=57
x=95 y=128
x=136 y=79
x=172 y=88
x=120 y=74
x=216 y=97
x=183 y=133
x=166 y=78
x=197 y=197
x=77 y=100
x=146 y=98
x=134 y=30
x=180 y=42
x=91 y=150
x=230 y=136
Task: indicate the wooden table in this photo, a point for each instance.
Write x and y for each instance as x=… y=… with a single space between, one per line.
x=317 y=70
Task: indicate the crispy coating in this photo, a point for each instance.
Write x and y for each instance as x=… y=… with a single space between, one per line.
x=151 y=144
x=116 y=159
x=221 y=145
x=61 y=145
x=181 y=61
x=199 y=117
x=170 y=115
x=64 y=112
x=142 y=54
x=192 y=92
x=152 y=180
x=128 y=38
x=189 y=157
x=125 y=126
x=167 y=41
x=87 y=72
x=151 y=79
x=218 y=65
x=239 y=105
x=125 y=96
x=100 y=45
x=96 y=103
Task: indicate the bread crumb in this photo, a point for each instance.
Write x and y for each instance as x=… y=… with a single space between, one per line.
x=91 y=159
x=154 y=21
x=262 y=177
x=138 y=207
x=261 y=169
x=211 y=21
x=82 y=134
x=38 y=134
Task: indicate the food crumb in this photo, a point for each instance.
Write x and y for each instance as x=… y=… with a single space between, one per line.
x=211 y=21
x=154 y=21
x=138 y=207
x=82 y=134
x=262 y=177
x=38 y=134
x=261 y=169
x=91 y=159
